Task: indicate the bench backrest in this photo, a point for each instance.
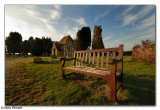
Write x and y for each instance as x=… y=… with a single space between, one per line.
x=98 y=58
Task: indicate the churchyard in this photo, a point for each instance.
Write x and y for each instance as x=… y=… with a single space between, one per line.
x=28 y=83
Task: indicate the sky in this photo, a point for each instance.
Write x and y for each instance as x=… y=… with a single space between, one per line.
x=121 y=24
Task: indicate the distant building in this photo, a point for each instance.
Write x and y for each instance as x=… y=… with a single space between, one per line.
x=64 y=48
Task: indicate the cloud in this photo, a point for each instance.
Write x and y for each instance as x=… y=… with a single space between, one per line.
x=126 y=11
x=55 y=14
x=145 y=23
x=81 y=21
x=68 y=30
x=107 y=38
x=30 y=21
x=57 y=7
x=131 y=18
x=127 y=45
x=111 y=44
x=147 y=34
x=72 y=32
x=102 y=15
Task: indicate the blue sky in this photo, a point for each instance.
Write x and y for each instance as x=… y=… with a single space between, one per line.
x=121 y=24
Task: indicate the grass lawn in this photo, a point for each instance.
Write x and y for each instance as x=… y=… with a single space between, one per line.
x=12 y=58
x=41 y=84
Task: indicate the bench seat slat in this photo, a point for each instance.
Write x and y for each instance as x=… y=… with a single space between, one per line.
x=81 y=69
x=87 y=69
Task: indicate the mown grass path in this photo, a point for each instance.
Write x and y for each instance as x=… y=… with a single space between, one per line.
x=28 y=83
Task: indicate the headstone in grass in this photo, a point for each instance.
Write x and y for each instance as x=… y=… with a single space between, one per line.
x=53 y=61
x=37 y=60
x=54 y=56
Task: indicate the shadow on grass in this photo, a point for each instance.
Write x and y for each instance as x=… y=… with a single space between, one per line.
x=48 y=62
x=141 y=90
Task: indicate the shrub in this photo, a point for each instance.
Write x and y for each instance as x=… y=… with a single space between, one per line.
x=144 y=52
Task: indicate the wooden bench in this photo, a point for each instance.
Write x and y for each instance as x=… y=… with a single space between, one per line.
x=84 y=62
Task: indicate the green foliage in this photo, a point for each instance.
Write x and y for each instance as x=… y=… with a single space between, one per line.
x=40 y=46
x=47 y=45
x=14 y=42
x=25 y=47
x=83 y=39
x=37 y=47
x=97 y=42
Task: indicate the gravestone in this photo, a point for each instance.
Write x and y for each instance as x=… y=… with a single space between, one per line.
x=37 y=60
x=53 y=61
x=54 y=56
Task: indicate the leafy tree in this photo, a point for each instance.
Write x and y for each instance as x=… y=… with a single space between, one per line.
x=37 y=47
x=30 y=40
x=14 y=42
x=83 y=39
x=40 y=46
x=25 y=47
x=47 y=45
x=97 y=42
x=78 y=41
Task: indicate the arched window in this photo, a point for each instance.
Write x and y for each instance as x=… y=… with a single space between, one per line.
x=68 y=48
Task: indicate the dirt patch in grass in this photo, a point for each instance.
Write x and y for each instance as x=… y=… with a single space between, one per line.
x=19 y=90
x=99 y=87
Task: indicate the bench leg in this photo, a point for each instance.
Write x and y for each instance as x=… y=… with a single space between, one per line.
x=113 y=83
x=62 y=70
x=113 y=90
x=62 y=74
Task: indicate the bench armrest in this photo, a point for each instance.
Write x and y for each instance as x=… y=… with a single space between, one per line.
x=112 y=61
x=66 y=59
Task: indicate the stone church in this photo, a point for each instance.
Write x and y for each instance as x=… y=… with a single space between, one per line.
x=63 y=48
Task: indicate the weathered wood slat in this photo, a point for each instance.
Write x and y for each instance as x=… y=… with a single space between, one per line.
x=80 y=59
x=83 y=59
x=93 y=59
x=89 y=58
x=86 y=58
x=74 y=60
x=113 y=82
x=120 y=66
x=121 y=51
x=97 y=65
x=77 y=59
x=107 y=66
x=114 y=54
x=100 y=50
x=102 y=60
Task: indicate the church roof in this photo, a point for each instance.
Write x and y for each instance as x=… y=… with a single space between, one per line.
x=64 y=39
x=62 y=42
